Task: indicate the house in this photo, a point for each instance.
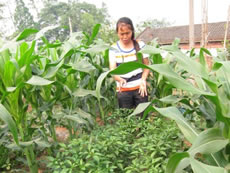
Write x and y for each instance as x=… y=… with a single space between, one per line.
x=216 y=33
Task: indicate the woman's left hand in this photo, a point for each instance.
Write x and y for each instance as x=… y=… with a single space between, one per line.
x=143 y=89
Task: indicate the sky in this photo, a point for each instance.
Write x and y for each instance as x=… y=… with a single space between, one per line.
x=174 y=11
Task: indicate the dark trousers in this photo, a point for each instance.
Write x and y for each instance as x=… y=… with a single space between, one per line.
x=130 y=99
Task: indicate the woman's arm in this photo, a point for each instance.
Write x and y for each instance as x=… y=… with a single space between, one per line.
x=143 y=88
x=145 y=71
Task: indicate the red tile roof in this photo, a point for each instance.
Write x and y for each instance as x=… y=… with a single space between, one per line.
x=167 y=35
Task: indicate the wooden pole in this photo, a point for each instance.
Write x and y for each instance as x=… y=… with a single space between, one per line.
x=226 y=29
x=70 y=26
x=204 y=35
x=191 y=24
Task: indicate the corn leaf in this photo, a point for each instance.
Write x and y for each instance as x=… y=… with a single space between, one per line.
x=98 y=48
x=26 y=33
x=94 y=33
x=84 y=66
x=151 y=50
x=162 y=69
x=208 y=142
x=174 y=161
x=7 y=118
x=85 y=115
x=53 y=70
x=140 y=108
x=199 y=167
x=189 y=132
x=36 y=80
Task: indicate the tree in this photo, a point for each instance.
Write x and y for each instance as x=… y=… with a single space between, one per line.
x=55 y=14
x=3 y=19
x=1 y=15
x=82 y=16
x=152 y=23
x=108 y=33
x=33 y=4
x=1 y=11
x=22 y=17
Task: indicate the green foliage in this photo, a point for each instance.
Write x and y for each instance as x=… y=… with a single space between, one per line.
x=3 y=155
x=152 y=23
x=1 y=11
x=22 y=17
x=228 y=49
x=45 y=76
x=123 y=146
x=212 y=108
x=82 y=17
x=65 y=84
x=108 y=33
x=197 y=92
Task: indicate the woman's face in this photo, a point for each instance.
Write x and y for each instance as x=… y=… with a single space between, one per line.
x=124 y=33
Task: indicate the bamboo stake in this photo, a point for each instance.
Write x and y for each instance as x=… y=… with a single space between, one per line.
x=226 y=29
x=70 y=26
x=204 y=36
x=191 y=24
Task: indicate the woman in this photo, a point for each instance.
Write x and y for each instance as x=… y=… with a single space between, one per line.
x=131 y=87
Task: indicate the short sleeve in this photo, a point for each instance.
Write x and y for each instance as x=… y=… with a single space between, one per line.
x=112 y=57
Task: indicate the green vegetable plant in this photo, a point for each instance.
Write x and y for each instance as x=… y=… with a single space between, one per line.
x=122 y=146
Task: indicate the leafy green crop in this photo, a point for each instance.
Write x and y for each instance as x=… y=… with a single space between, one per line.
x=123 y=146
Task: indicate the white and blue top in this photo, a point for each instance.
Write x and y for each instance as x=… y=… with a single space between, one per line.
x=119 y=55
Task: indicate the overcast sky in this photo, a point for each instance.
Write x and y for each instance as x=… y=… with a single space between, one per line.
x=175 y=11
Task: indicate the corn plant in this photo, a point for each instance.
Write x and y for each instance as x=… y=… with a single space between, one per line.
x=45 y=76
x=17 y=78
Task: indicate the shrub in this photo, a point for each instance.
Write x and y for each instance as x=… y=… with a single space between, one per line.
x=125 y=146
x=3 y=156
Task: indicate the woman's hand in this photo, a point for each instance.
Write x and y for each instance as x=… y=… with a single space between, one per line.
x=143 y=89
x=122 y=82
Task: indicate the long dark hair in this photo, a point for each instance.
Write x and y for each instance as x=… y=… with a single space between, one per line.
x=129 y=22
x=126 y=21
